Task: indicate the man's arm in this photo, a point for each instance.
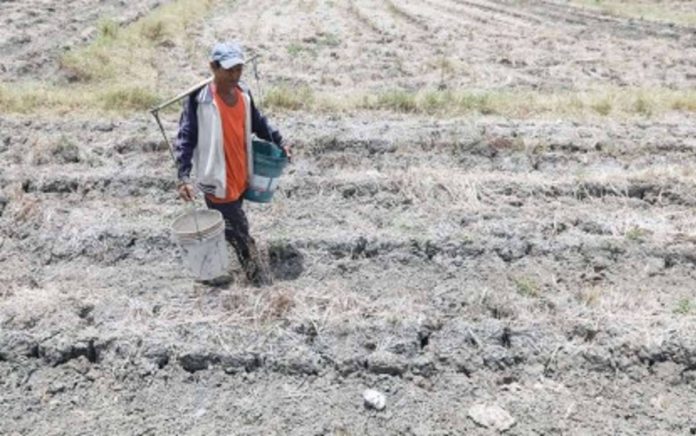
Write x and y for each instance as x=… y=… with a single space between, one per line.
x=262 y=128
x=186 y=138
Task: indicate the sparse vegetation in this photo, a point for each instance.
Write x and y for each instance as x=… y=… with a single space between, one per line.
x=397 y=100
x=311 y=45
x=129 y=54
x=446 y=103
x=328 y=39
x=520 y=104
x=66 y=150
x=602 y=107
x=128 y=98
x=590 y=296
x=295 y=49
x=686 y=103
x=115 y=72
x=684 y=307
x=27 y=98
x=118 y=72
x=154 y=30
x=285 y=97
x=636 y=233
x=62 y=151
x=108 y=29
x=643 y=105
x=527 y=287
x=447 y=70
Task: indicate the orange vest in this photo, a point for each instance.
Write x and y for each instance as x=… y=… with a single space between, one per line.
x=232 y=120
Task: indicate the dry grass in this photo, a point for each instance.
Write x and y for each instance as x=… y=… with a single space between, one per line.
x=62 y=150
x=323 y=305
x=612 y=302
x=527 y=287
x=614 y=102
x=127 y=55
x=41 y=99
x=116 y=72
x=440 y=191
x=284 y=97
x=423 y=180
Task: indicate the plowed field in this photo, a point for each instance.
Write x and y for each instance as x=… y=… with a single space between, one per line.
x=543 y=261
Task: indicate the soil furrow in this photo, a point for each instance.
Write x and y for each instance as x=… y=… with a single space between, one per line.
x=621 y=27
x=468 y=18
x=493 y=8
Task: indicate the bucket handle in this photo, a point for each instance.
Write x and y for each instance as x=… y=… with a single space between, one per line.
x=192 y=208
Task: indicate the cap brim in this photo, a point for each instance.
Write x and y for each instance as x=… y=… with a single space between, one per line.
x=229 y=63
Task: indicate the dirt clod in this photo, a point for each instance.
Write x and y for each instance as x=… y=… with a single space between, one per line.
x=374 y=399
x=491 y=416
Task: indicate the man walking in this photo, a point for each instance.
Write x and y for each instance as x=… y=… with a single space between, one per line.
x=214 y=139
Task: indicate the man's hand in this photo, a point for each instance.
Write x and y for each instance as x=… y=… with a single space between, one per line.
x=186 y=191
x=287 y=150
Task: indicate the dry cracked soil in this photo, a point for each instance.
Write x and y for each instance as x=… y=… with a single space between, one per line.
x=542 y=264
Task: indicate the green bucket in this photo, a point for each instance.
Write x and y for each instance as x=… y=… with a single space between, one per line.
x=269 y=162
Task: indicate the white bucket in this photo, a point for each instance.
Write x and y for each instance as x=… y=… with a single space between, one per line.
x=201 y=235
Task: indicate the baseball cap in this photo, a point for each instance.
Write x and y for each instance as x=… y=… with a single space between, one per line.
x=228 y=54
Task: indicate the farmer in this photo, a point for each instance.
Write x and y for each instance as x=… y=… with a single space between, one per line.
x=214 y=137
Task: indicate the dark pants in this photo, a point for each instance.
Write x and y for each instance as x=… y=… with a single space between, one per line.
x=237 y=234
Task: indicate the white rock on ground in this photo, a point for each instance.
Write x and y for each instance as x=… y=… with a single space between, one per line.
x=374 y=399
x=491 y=416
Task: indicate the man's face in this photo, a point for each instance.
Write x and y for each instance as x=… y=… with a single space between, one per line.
x=230 y=76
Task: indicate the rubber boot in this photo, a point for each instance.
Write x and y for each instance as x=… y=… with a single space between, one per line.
x=254 y=268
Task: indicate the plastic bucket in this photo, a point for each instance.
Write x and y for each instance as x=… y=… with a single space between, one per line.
x=269 y=162
x=201 y=235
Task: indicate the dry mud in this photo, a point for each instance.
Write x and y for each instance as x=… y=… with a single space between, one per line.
x=543 y=265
